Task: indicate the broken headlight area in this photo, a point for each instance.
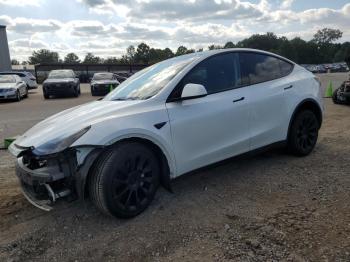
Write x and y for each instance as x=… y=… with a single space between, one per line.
x=46 y=179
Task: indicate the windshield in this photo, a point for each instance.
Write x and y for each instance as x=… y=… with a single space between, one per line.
x=149 y=81
x=7 y=79
x=104 y=76
x=60 y=74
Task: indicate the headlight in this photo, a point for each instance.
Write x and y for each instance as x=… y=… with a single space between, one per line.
x=59 y=144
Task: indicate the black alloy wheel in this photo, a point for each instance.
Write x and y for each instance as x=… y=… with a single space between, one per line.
x=125 y=180
x=303 y=133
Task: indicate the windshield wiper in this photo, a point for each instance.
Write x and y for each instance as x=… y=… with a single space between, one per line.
x=125 y=98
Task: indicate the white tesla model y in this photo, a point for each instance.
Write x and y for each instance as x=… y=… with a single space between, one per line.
x=166 y=120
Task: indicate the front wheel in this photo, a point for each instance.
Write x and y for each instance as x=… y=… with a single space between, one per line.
x=46 y=95
x=18 y=96
x=76 y=92
x=125 y=179
x=26 y=93
x=303 y=133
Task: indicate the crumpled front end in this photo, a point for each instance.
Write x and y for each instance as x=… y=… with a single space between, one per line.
x=45 y=179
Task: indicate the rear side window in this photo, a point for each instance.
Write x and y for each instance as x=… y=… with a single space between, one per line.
x=216 y=74
x=257 y=68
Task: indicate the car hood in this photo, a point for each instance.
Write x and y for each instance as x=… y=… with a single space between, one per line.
x=58 y=80
x=99 y=82
x=7 y=85
x=73 y=120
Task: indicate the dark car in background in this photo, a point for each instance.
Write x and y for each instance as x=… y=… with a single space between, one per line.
x=61 y=83
x=102 y=83
x=27 y=77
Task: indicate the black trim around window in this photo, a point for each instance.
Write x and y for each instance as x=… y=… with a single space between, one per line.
x=176 y=99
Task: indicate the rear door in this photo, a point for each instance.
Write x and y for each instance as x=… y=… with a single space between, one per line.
x=268 y=83
x=209 y=129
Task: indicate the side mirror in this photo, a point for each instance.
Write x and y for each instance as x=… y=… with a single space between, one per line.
x=191 y=91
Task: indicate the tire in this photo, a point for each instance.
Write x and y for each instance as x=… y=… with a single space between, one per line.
x=76 y=92
x=335 y=97
x=46 y=96
x=79 y=89
x=336 y=100
x=18 y=96
x=26 y=94
x=124 y=180
x=303 y=133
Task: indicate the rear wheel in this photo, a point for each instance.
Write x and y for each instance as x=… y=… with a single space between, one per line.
x=125 y=179
x=303 y=133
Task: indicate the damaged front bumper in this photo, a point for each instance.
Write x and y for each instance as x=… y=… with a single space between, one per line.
x=44 y=179
x=44 y=185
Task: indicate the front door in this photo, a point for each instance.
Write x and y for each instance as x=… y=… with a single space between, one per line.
x=212 y=128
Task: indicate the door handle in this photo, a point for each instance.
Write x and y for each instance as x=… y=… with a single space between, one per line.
x=288 y=87
x=237 y=100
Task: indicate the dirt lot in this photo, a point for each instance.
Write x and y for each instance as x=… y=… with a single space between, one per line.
x=270 y=207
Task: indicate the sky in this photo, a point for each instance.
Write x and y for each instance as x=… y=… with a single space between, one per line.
x=107 y=27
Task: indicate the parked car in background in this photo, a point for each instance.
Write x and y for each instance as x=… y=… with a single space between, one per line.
x=102 y=83
x=27 y=77
x=12 y=87
x=342 y=94
x=61 y=83
x=121 y=78
x=166 y=120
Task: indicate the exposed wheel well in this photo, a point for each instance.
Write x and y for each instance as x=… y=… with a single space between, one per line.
x=163 y=162
x=307 y=104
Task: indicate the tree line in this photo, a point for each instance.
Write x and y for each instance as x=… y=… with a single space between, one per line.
x=321 y=49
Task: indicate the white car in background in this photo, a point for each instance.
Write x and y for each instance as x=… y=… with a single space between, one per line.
x=166 y=120
x=27 y=77
x=12 y=87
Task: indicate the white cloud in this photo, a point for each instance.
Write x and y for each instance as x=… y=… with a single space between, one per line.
x=286 y=4
x=166 y=23
x=20 y=3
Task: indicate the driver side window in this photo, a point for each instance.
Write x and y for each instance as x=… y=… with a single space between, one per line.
x=217 y=74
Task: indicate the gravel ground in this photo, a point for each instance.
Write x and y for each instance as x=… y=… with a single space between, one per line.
x=269 y=207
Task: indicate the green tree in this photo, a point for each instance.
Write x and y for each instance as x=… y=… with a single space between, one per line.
x=213 y=47
x=92 y=59
x=229 y=45
x=286 y=49
x=14 y=62
x=182 y=50
x=343 y=53
x=167 y=53
x=71 y=58
x=111 y=60
x=142 y=53
x=327 y=36
x=43 y=56
x=130 y=53
x=267 y=42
